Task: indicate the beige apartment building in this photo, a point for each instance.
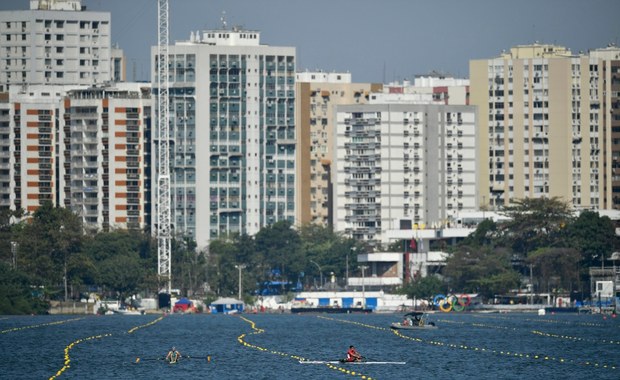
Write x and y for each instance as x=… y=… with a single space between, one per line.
x=318 y=93
x=545 y=125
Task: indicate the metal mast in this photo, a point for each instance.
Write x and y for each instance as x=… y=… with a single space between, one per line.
x=163 y=150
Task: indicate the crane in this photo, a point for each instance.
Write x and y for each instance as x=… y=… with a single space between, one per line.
x=164 y=226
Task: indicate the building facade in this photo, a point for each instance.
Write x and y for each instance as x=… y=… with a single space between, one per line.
x=54 y=42
x=105 y=156
x=402 y=161
x=546 y=125
x=6 y=146
x=233 y=134
x=34 y=143
x=317 y=95
x=86 y=149
x=432 y=89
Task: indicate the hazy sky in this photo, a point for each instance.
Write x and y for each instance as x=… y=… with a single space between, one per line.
x=375 y=40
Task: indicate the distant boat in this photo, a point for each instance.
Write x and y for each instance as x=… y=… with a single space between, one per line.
x=128 y=312
x=343 y=361
x=415 y=320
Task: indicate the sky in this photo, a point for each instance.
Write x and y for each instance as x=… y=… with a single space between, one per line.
x=375 y=40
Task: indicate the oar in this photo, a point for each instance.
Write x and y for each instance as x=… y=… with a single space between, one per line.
x=138 y=360
x=207 y=358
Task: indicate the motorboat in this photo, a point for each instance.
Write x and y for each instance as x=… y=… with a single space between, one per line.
x=128 y=312
x=415 y=320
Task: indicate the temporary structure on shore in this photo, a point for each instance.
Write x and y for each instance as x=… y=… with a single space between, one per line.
x=226 y=306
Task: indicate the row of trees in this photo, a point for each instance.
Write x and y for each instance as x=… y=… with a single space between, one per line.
x=48 y=255
x=542 y=241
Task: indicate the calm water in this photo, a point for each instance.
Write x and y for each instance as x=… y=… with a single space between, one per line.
x=483 y=346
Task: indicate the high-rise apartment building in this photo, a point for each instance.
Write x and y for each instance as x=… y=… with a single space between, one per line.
x=54 y=42
x=5 y=151
x=402 y=161
x=105 y=156
x=85 y=149
x=233 y=134
x=545 y=126
x=35 y=125
x=317 y=95
x=609 y=59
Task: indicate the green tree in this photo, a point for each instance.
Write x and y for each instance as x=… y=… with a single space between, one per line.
x=188 y=266
x=47 y=243
x=534 y=223
x=133 y=249
x=424 y=288
x=483 y=270
x=16 y=294
x=122 y=273
x=279 y=245
x=331 y=251
x=593 y=236
x=555 y=269
x=221 y=272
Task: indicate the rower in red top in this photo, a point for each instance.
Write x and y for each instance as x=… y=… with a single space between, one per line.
x=353 y=355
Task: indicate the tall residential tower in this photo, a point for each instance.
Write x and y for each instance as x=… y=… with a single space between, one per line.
x=318 y=93
x=55 y=42
x=545 y=127
x=233 y=134
x=402 y=161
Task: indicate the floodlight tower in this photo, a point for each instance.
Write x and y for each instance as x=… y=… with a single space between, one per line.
x=163 y=150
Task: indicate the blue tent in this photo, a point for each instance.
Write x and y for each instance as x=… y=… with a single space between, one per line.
x=183 y=301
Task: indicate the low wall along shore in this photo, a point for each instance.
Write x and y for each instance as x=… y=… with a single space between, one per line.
x=71 y=307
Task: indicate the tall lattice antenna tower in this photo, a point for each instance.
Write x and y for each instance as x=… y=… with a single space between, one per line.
x=163 y=150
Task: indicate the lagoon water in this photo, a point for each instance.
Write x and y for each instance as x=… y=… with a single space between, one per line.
x=267 y=346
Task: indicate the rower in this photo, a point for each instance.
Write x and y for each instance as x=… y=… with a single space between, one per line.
x=173 y=356
x=353 y=355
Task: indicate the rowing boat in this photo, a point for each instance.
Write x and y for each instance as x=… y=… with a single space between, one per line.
x=345 y=362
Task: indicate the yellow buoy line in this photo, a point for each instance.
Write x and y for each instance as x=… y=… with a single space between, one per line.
x=67 y=362
x=256 y=330
x=574 y=338
x=537 y=320
x=477 y=325
x=537 y=357
x=40 y=325
x=132 y=330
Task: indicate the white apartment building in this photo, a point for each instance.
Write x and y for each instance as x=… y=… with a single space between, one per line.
x=547 y=126
x=54 y=42
x=318 y=93
x=35 y=122
x=105 y=154
x=81 y=148
x=5 y=151
x=402 y=161
x=233 y=150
